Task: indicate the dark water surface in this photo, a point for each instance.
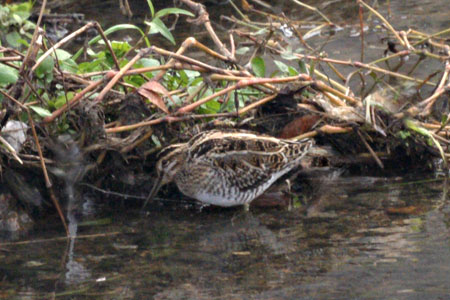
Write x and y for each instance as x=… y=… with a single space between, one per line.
x=364 y=238
x=358 y=238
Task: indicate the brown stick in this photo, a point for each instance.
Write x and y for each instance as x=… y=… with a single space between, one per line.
x=388 y=25
x=32 y=50
x=361 y=26
x=374 y=155
x=119 y=75
x=48 y=183
x=60 y=43
x=203 y=18
x=241 y=84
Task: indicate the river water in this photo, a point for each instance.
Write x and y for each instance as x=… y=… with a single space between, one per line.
x=363 y=238
x=359 y=236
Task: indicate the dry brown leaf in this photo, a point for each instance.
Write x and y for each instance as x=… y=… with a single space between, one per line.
x=299 y=126
x=152 y=90
x=407 y=210
x=245 y=5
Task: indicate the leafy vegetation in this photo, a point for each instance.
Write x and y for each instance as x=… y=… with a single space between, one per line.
x=85 y=92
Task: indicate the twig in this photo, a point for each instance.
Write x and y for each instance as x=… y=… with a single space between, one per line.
x=119 y=75
x=60 y=43
x=312 y=8
x=48 y=183
x=388 y=25
x=361 y=26
x=203 y=18
x=374 y=155
x=241 y=84
x=32 y=50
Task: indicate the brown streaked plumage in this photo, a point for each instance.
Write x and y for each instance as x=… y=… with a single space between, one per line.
x=227 y=168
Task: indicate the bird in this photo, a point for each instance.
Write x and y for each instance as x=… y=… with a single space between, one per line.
x=227 y=167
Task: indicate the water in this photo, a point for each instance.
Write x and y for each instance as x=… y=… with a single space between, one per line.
x=348 y=242
x=356 y=237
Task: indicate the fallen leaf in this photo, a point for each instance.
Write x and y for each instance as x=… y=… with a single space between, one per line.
x=299 y=126
x=245 y=5
x=152 y=90
x=407 y=210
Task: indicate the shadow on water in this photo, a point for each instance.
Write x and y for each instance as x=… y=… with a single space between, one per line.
x=359 y=243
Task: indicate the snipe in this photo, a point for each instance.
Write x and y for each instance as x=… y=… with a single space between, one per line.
x=227 y=168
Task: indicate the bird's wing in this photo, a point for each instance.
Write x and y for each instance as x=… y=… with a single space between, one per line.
x=241 y=170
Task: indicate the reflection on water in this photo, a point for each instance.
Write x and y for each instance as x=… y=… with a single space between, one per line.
x=347 y=244
x=355 y=249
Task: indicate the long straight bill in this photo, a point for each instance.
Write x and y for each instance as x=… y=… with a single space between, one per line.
x=154 y=191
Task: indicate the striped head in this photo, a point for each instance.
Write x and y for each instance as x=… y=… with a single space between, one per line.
x=171 y=160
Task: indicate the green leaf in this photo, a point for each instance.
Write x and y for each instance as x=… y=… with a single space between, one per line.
x=91 y=66
x=312 y=68
x=23 y=10
x=242 y=50
x=13 y=38
x=109 y=31
x=259 y=66
x=415 y=127
x=292 y=71
x=62 y=99
x=302 y=67
x=262 y=31
x=117 y=28
x=61 y=55
x=42 y=112
x=46 y=67
x=172 y=11
x=282 y=66
x=152 y=9
x=192 y=74
x=177 y=100
x=444 y=119
x=7 y=75
x=288 y=54
x=403 y=134
x=149 y=62
x=18 y=19
x=120 y=48
x=274 y=73
x=184 y=78
x=69 y=65
x=196 y=81
x=159 y=26
x=230 y=106
x=136 y=81
x=213 y=106
x=23 y=42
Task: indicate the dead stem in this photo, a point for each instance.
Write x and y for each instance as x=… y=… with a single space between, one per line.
x=385 y=22
x=314 y=9
x=119 y=75
x=374 y=155
x=48 y=183
x=61 y=43
x=203 y=18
